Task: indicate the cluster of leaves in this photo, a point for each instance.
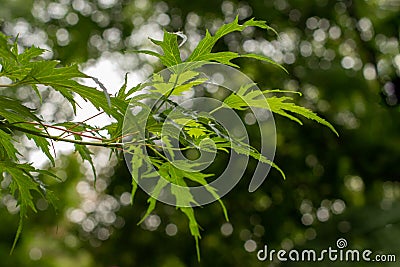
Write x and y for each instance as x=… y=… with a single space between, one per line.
x=27 y=69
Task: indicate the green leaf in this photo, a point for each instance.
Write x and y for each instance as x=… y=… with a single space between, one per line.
x=181 y=192
x=279 y=106
x=227 y=57
x=221 y=57
x=245 y=98
x=136 y=163
x=153 y=200
x=203 y=49
x=121 y=92
x=200 y=178
x=193 y=226
x=184 y=200
x=169 y=45
x=177 y=83
x=86 y=155
x=21 y=187
x=245 y=149
x=13 y=111
x=139 y=160
x=29 y=54
x=265 y=59
x=43 y=144
x=5 y=53
x=7 y=148
x=202 y=52
x=23 y=71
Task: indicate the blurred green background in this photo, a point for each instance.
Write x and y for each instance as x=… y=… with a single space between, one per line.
x=343 y=56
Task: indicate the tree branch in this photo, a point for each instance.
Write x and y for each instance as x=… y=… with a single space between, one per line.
x=8 y=85
x=57 y=138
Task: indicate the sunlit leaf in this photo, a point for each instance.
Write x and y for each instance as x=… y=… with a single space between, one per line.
x=245 y=98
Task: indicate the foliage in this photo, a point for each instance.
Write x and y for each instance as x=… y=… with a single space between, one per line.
x=25 y=69
x=28 y=69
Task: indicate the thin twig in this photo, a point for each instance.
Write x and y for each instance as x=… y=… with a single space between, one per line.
x=82 y=122
x=62 y=129
x=9 y=85
x=56 y=138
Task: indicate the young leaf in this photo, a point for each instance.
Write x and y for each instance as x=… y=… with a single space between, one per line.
x=23 y=71
x=200 y=178
x=169 y=45
x=153 y=199
x=43 y=144
x=13 y=111
x=86 y=155
x=177 y=83
x=245 y=98
x=29 y=54
x=279 y=106
x=21 y=187
x=184 y=200
x=170 y=48
x=193 y=226
x=7 y=149
x=244 y=149
x=136 y=163
x=202 y=52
